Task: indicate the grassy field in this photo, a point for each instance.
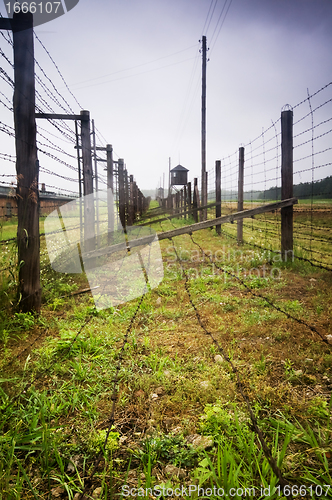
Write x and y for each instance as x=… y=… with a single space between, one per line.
x=180 y=420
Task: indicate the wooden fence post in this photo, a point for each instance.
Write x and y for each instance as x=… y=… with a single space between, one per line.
x=89 y=207
x=110 y=201
x=189 y=199
x=185 y=201
x=96 y=177
x=204 y=211
x=286 y=182
x=181 y=201
x=140 y=203
x=131 y=215
x=27 y=166
x=218 y=194
x=135 y=210
x=126 y=195
x=195 y=201
x=240 y=196
x=122 y=202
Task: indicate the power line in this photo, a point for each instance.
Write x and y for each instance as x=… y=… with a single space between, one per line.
x=132 y=67
x=221 y=24
x=207 y=17
x=209 y=22
x=136 y=74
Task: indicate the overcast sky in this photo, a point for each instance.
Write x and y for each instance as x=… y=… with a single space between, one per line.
x=135 y=65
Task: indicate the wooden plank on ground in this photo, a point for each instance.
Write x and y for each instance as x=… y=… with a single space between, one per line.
x=227 y=218
x=186 y=212
x=189 y=229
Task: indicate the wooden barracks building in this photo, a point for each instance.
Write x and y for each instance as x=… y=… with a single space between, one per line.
x=48 y=201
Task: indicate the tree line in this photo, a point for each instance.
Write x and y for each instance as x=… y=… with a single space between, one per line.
x=319 y=189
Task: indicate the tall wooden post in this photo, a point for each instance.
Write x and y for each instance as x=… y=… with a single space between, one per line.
x=240 y=196
x=110 y=199
x=286 y=182
x=203 y=130
x=218 y=194
x=122 y=202
x=27 y=166
x=89 y=207
x=185 y=200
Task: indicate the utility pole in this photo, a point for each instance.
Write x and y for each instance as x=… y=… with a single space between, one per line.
x=203 y=128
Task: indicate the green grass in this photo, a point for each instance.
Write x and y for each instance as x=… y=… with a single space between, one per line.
x=171 y=385
x=8 y=229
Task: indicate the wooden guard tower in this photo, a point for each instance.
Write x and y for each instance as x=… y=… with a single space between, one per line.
x=179 y=176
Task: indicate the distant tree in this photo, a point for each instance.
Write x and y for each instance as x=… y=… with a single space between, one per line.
x=319 y=189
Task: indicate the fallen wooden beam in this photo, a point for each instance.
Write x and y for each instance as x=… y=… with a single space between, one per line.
x=177 y=215
x=227 y=218
x=145 y=240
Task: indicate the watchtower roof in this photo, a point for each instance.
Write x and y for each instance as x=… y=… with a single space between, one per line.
x=179 y=168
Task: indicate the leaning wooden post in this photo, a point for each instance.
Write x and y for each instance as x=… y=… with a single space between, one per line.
x=240 y=196
x=286 y=182
x=218 y=194
x=27 y=166
x=122 y=202
x=110 y=200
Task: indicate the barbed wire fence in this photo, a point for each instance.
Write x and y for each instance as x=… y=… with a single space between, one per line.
x=312 y=182
x=264 y=162
x=59 y=152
